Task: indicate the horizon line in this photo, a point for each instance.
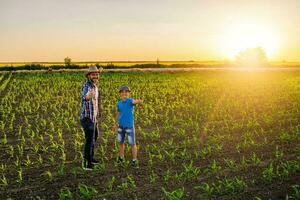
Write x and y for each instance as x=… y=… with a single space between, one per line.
x=137 y=61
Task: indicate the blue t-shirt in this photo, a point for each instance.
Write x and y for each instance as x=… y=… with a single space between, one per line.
x=125 y=109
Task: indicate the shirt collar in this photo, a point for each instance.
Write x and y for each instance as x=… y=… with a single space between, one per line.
x=89 y=82
x=124 y=100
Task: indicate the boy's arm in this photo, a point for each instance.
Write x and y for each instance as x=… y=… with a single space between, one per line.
x=137 y=101
x=116 y=121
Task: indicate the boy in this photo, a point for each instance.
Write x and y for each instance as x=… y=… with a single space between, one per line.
x=125 y=120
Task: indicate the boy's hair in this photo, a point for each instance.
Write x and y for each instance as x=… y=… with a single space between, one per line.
x=124 y=88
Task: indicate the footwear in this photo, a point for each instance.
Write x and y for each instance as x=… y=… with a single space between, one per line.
x=88 y=166
x=95 y=162
x=120 y=159
x=134 y=163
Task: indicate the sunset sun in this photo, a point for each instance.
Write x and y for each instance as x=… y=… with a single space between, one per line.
x=241 y=36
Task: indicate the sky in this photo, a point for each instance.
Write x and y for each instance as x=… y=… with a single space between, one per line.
x=111 y=30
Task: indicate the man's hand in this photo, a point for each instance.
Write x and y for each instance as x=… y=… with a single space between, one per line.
x=100 y=69
x=114 y=129
x=99 y=118
x=91 y=94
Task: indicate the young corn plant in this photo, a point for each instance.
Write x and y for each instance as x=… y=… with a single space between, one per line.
x=10 y=151
x=20 y=150
x=77 y=171
x=3 y=141
x=231 y=164
x=129 y=183
x=244 y=163
x=110 y=184
x=254 y=160
x=177 y=194
x=231 y=186
x=17 y=162
x=278 y=153
x=185 y=155
x=171 y=155
x=87 y=192
x=51 y=160
x=167 y=177
x=190 y=172
x=40 y=159
x=49 y=176
x=3 y=181
x=3 y=168
x=63 y=156
x=36 y=149
x=214 y=168
x=99 y=168
x=208 y=190
x=287 y=168
x=296 y=194
x=269 y=173
x=206 y=152
x=65 y=194
x=61 y=170
x=153 y=177
x=20 y=176
x=27 y=161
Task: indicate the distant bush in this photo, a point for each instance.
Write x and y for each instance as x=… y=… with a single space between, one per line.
x=252 y=57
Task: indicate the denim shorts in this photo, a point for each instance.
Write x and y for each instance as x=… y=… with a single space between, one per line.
x=130 y=132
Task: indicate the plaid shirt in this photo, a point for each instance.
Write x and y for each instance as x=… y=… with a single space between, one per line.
x=92 y=108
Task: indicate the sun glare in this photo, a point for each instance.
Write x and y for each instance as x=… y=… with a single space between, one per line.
x=242 y=36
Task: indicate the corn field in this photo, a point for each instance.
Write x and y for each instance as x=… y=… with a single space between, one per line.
x=251 y=121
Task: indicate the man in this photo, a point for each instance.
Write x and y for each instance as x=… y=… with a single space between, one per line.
x=90 y=112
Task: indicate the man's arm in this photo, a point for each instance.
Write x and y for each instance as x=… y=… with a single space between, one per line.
x=87 y=95
x=90 y=94
x=99 y=105
x=85 y=90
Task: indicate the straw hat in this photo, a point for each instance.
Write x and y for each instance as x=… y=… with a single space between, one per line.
x=93 y=69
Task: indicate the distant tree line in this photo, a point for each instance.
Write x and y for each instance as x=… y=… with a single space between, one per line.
x=107 y=66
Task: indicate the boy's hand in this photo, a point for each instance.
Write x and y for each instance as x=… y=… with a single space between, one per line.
x=114 y=129
x=137 y=101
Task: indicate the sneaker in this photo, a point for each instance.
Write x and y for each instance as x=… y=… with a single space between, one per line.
x=134 y=163
x=88 y=166
x=95 y=162
x=120 y=159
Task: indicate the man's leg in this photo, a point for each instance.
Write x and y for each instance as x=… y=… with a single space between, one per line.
x=88 y=131
x=96 y=133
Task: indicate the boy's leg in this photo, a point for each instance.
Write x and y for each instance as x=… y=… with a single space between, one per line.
x=131 y=140
x=121 y=138
x=121 y=150
x=134 y=152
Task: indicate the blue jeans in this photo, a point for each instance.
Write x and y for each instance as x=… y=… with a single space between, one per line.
x=130 y=135
x=91 y=135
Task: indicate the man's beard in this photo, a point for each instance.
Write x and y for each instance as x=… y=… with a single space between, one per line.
x=94 y=80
